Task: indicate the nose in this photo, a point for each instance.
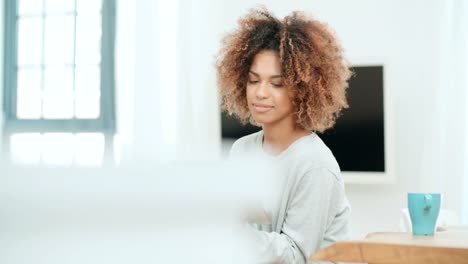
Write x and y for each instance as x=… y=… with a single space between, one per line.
x=262 y=91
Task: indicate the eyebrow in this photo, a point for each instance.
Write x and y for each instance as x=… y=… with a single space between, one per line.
x=272 y=77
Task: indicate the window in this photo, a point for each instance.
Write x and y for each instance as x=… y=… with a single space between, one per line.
x=59 y=80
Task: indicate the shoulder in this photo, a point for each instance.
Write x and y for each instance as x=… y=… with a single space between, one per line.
x=312 y=154
x=322 y=176
x=246 y=144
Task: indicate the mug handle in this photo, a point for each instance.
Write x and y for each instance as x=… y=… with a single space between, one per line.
x=427 y=202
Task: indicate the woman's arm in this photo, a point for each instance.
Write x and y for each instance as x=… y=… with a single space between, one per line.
x=312 y=206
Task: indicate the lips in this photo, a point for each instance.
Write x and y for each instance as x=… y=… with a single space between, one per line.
x=261 y=108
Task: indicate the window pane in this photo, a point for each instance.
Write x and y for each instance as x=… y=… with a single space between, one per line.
x=29 y=7
x=29 y=93
x=58 y=149
x=59 y=6
x=88 y=79
x=58 y=79
x=58 y=106
x=25 y=148
x=88 y=6
x=87 y=92
x=58 y=93
x=59 y=40
x=87 y=106
x=29 y=41
x=88 y=39
x=89 y=149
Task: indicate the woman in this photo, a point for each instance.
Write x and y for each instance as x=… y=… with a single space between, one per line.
x=289 y=77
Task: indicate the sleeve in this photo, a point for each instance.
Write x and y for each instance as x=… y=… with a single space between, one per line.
x=312 y=205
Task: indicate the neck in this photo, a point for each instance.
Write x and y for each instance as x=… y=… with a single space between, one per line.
x=277 y=138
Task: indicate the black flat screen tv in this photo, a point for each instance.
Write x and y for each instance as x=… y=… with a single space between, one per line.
x=358 y=138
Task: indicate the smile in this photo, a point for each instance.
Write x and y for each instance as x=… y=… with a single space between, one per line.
x=262 y=108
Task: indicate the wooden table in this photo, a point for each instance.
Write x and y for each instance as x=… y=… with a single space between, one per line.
x=444 y=247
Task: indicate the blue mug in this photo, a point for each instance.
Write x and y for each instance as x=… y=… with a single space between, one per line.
x=423 y=209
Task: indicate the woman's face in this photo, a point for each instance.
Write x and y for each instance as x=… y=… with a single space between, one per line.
x=269 y=100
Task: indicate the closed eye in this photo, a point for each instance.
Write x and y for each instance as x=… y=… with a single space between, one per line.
x=253 y=81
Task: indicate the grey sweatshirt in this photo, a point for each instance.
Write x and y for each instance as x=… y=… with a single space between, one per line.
x=309 y=210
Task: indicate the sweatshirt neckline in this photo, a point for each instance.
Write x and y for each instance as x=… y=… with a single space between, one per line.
x=284 y=152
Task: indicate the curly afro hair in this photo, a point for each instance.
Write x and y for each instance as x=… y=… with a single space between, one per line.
x=311 y=61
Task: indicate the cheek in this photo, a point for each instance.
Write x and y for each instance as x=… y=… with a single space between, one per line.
x=283 y=99
x=249 y=92
x=287 y=105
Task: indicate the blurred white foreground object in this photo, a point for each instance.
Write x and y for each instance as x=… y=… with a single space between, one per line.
x=163 y=213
